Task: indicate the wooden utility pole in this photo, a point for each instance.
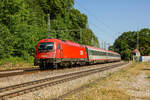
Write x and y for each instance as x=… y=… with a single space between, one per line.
x=137 y=40
x=81 y=36
x=102 y=45
x=49 y=24
x=105 y=45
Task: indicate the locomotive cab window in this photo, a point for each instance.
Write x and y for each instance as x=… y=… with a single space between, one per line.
x=46 y=46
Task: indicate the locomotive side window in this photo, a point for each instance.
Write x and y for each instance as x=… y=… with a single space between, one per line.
x=58 y=47
x=45 y=47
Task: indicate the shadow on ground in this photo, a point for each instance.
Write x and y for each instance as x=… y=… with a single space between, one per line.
x=148 y=77
x=146 y=69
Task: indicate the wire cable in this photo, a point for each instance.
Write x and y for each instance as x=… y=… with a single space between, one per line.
x=107 y=26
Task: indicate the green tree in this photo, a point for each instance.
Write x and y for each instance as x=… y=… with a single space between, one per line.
x=6 y=48
x=127 y=42
x=25 y=23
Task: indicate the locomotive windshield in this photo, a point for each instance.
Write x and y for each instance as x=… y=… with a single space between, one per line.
x=45 y=47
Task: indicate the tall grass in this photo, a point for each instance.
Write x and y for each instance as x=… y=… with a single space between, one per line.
x=15 y=62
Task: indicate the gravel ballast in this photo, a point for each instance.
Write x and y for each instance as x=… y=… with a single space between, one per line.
x=55 y=91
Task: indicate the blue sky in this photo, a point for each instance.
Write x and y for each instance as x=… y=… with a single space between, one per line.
x=109 y=18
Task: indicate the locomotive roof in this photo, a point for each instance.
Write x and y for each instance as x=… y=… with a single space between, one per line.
x=49 y=40
x=75 y=44
x=58 y=40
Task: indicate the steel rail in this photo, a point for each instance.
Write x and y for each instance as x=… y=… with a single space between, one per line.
x=43 y=80
x=67 y=77
x=26 y=71
x=9 y=70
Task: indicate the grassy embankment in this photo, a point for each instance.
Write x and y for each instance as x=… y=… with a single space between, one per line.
x=131 y=83
x=16 y=62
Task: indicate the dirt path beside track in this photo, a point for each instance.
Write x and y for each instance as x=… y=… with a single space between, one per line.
x=131 y=83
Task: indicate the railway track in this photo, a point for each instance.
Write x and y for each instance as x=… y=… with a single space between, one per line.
x=15 y=72
x=20 y=71
x=9 y=70
x=20 y=89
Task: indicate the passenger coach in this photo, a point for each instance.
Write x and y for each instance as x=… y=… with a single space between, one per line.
x=96 y=55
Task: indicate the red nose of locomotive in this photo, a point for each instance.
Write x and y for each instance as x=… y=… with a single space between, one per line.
x=45 y=50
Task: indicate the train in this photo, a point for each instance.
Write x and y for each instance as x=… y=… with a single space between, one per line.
x=55 y=53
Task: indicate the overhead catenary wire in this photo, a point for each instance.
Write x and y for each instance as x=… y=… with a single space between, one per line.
x=96 y=26
x=97 y=18
x=80 y=30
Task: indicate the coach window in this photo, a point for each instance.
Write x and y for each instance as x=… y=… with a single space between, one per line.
x=101 y=53
x=58 y=47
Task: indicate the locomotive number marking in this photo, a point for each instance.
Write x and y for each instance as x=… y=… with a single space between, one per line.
x=44 y=55
x=81 y=52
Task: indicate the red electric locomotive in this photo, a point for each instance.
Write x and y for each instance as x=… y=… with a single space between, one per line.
x=54 y=52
